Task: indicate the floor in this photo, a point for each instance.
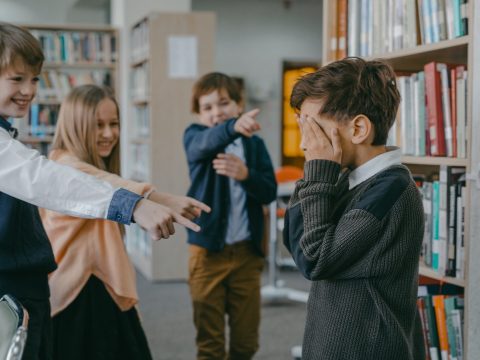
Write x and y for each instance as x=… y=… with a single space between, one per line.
x=167 y=319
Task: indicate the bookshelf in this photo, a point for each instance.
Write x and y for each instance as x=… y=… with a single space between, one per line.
x=409 y=53
x=169 y=51
x=74 y=55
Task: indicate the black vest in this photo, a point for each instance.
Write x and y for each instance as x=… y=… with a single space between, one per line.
x=26 y=256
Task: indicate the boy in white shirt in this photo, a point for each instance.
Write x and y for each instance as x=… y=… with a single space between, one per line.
x=28 y=179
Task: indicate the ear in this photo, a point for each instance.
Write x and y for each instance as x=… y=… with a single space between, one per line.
x=361 y=130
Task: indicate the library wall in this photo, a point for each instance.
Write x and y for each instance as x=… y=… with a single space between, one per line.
x=58 y=12
x=270 y=33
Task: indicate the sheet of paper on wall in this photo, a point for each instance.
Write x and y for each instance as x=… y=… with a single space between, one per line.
x=182 y=57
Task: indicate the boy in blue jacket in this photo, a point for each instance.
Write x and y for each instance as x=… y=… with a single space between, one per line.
x=230 y=171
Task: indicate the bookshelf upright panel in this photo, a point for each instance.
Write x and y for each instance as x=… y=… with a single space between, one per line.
x=169 y=52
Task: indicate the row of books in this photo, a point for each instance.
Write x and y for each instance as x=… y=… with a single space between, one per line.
x=442 y=19
x=139 y=82
x=442 y=318
x=432 y=117
x=42 y=120
x=367 y=27
x=72 y=47
x=441 y=310
x=139 y=38
x=444 y=203
x=54 y=85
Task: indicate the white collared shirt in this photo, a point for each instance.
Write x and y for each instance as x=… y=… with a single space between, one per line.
x=393 y=156
x=29 y=176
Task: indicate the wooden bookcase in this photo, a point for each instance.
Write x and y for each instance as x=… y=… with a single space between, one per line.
x=169 y=51
x=461 y=50
x=74 y=55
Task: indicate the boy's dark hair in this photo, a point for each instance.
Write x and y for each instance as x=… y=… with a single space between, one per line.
x=350 y=87
x=17 y=43
x=215 y=81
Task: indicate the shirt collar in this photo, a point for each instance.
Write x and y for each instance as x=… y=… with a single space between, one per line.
x=393 y=156
x=7 y=126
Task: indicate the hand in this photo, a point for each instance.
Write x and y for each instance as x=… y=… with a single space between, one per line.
x=231 y=166
x=184 y=205
x=315 y=143
x=246 y=124
x=158 y=220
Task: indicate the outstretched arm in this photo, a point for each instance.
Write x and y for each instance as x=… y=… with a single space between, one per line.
x=29 y=176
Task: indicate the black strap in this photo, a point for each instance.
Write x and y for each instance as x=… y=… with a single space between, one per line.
x=7 y=126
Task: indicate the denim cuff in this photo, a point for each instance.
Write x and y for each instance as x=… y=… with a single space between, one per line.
x=122 y=206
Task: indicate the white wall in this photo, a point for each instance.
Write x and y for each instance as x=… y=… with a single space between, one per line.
x=52 y=12
x=253 y=37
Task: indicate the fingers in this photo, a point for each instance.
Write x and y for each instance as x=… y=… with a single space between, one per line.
x=200 y=205
x=252 y=113
x=246 y=124
x=185 y=222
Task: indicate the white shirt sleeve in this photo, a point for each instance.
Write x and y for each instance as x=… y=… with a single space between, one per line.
x=29 y=176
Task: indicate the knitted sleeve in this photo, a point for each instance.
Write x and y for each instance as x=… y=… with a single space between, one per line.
x=322 y=247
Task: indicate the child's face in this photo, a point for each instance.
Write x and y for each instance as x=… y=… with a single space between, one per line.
x=311 y=108
x=217 y=107
x=108 y=127
x=18 y=86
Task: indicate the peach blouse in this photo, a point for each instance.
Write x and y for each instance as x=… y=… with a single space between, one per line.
x=85 y=247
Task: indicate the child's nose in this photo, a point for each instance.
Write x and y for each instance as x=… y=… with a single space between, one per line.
x=28 y=88
x=107 y=132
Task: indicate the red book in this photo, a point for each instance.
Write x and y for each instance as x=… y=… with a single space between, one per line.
x=433 y=95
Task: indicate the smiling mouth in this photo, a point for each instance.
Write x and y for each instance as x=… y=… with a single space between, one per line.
x=21 y=102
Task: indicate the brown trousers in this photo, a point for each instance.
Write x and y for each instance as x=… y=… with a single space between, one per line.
x=226 y=283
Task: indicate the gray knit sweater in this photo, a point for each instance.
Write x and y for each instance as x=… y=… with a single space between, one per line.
x=361 y=248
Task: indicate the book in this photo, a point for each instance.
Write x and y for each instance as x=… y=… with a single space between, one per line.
x=427 y=192
x=433 y=340
x=439 y=307
x=453 y=303
x=424 y=322
x=433 y=95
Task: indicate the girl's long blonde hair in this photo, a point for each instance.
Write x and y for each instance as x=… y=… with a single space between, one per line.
x=77 y=127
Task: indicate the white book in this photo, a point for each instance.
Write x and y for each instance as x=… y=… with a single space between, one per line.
x=461 y=113
x=449 y=18
x=446 y=108
x=411 y=24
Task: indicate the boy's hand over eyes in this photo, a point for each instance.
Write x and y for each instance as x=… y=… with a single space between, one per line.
x=246 y=124
x=315 y=143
